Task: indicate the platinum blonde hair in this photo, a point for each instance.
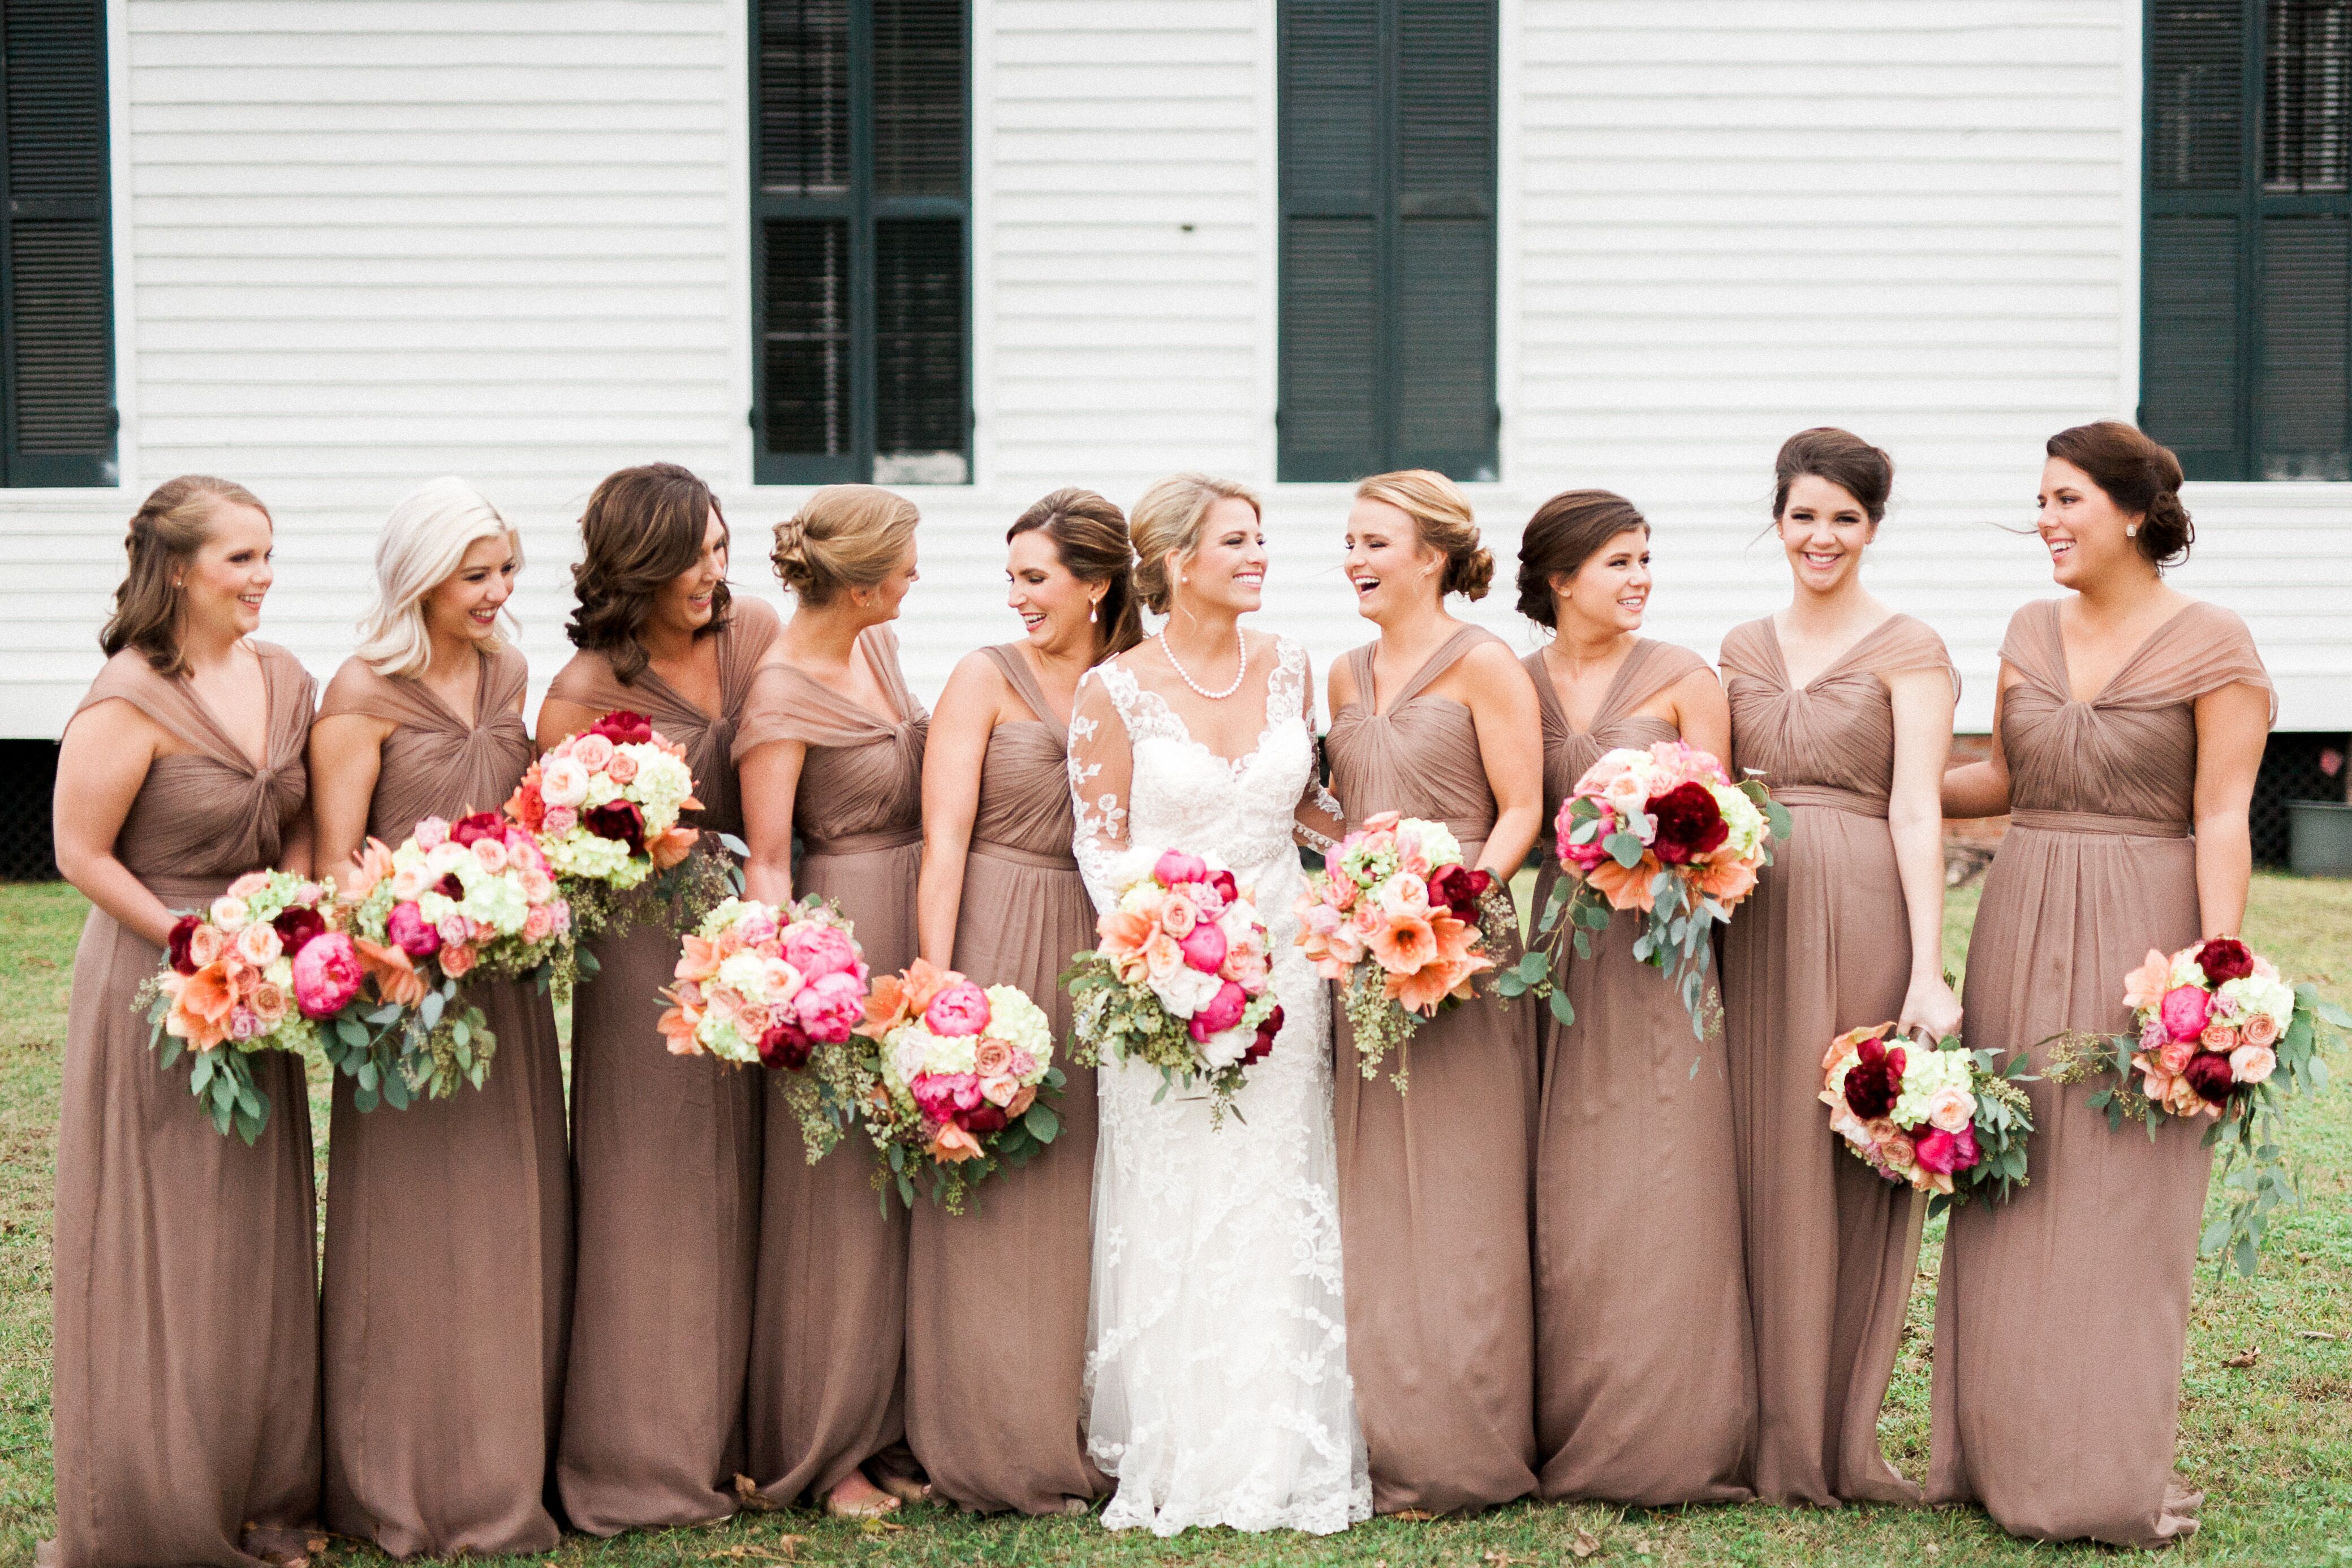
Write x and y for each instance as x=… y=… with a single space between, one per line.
x=425 y=540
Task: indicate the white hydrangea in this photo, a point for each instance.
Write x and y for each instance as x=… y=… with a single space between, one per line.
x=1741 y=815
x=1019 y=1022
x=1438 y=844
x=2240 y=999
x=580 y=853
x=495 y=901
x=662 y=784
x=1927 y=1070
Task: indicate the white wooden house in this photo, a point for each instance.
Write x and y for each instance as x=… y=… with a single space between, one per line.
x=982 y=248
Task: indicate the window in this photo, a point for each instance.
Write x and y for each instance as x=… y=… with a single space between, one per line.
x=56 y=333
x=2246 y=263
x=859 y=239
x=1387 y=335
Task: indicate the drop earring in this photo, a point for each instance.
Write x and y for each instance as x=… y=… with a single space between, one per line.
x=1093 y=611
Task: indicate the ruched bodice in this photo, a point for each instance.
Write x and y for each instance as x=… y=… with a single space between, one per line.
x=1024 y=783
x=439 y=762
x=1569 y=753
x=209 y=814
x=2128 y=752
x=708 y=738
x=1837 y=730
x=864 y=774
x=1420 y=755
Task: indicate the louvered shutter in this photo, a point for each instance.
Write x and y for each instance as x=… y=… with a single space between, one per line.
x=2303 y=403
x=56 y=264
x=1444 y=246
x=922 y=401
x=1332 y=342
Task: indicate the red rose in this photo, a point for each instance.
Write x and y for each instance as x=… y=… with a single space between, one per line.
x=1875 y=1080
x=618 y=820
x=297 y=926
x=479 y=825
x=1263 y=1047
x=981 y=1120
x=1460 y=888
x=1690 y=823
x=784 y=1046
x=183 y=931
x=2225 y=959
x=449 y=888
x=623 y=727
x=2208 y=1074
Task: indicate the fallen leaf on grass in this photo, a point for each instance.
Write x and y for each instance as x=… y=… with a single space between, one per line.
x=2245 y=1358
x=1585 y=1544
x=2317 y=1334
x=1415 y=1515
x=879 y=1526
x=749 y=1495
x=754 y=1554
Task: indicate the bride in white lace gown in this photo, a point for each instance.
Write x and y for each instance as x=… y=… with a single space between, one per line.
x=1217 y=1358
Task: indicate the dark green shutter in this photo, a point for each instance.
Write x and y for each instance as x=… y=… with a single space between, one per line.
x=55 y=258
x=1386 y=341
x=860 y=236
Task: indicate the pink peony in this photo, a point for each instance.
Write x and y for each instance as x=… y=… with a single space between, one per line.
x=455 y=928
x=432 y=832
x=2185 y=1009
x=411 y=931
x=327 y=975
x=1174 y=866
x=960 y=1009
x=592 y=752
x=755 y=925
x=830 y=1006
x=1204 y=947
x=817 y=950
x=1220 y=1013
x=1227 y=891
x=2252 y=1064
x=1941 y=1153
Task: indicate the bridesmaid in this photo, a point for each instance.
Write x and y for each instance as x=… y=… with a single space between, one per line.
x=665 y=1150
x=184 y=1384
x=1436 y=719
x=448 y=1223
x=2126 y=733
x=831 y=748
x=1845 y=709
x=996 y=1299
x=1644 y=1377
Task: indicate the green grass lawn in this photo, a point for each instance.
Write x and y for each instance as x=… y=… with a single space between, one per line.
x=2271 y=1442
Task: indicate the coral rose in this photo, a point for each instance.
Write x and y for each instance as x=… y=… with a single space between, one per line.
x=2252 y=1064
x=1951 y=1109
x=592 y=750
x=1177 y=914
x=998 y=1088
x=457 y=959
x=992 y=1059
x=2260 y=1029
x=2219 y=1037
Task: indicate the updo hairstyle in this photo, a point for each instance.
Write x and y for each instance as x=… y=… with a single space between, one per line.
x=1441 y=516
x=1564 y=533
x=1843 y=459
x=2141 y=476
x=1089 y=535
x=842 y=537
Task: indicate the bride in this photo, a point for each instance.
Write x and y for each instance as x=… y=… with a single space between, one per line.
x=1217 y=1357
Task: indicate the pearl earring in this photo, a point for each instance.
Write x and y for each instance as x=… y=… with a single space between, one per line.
x=2131 y=531
x=1094 y=611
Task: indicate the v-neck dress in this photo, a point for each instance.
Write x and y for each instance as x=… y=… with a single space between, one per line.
x=829 y=1333
x=665 y=1176
x=1821 y=946
x=1645 y=1360
x=2062 y=1315
x=184 y=1370
x=1433 y=1181
x=996 y=1297
x=448 y=1269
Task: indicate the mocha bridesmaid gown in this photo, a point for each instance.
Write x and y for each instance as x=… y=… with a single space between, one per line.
x=666 y=1177
x=185 y=1378
x=1821 y=946
x=996 y=1297
x=1645 y=1360
x=2062 y=1315
x=1433 y=1182
x=830 y=1327
x=448 y=1275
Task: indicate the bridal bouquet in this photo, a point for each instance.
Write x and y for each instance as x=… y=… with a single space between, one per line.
x=1938 y=1116
x=1394 y=917
x=270 y=965
x=2216 y=1034
x=1180 y=978
x=782 y=988
x=959 y=1070
x=1663 y=832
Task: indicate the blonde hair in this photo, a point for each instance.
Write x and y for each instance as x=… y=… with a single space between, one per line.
x=1441 y=515
x=170 y=526
x=842 y=537
x=425 y=540
x=1167 y=522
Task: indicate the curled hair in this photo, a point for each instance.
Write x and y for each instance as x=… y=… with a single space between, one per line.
x=2141 y=476
x=842 y=537
x=1089 y=535
x=1843 y=459
x=424 y=541
x=1564 y=533
x=643 y=528
x=1441 y=516
x=170 y=526
x=1167 y=522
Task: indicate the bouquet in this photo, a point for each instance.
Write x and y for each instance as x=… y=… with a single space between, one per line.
x=960 y=1070
x=1394 y=917
x=1665 y=832
x=782 y=988
x=1180 y=979
x=270 y=965
x=2216 y=1034
x=1935 y=1115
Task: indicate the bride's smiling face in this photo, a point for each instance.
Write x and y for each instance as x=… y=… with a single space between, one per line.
x=1226 y=570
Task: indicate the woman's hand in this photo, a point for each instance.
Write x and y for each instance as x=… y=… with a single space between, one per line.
x=1929 y=1004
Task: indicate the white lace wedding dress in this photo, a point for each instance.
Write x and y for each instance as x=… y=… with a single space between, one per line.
x=1217 y=1358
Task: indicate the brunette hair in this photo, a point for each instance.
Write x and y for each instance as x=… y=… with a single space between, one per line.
x=170 y=526
x=642 y=528
x=2139 y=475
x=1167 y=522
x=1089 y=534
x=844 y=536
x=1564 y=533
x=1441 y=515
x=1843 y=459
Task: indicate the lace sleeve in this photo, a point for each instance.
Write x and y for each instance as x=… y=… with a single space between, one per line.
x=1320 y=823
x=1102 y=767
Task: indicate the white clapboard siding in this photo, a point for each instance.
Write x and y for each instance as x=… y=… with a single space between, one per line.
x=381 y=240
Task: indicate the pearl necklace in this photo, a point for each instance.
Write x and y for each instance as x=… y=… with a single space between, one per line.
x=1186 y=676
